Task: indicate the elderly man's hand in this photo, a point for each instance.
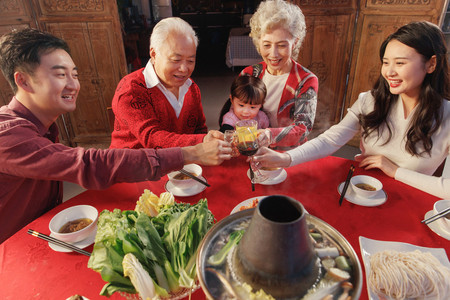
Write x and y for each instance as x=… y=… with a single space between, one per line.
x=213 y=135
x=207 y=153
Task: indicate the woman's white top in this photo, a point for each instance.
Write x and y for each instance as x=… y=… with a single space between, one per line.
x=275 y=86
x=413 y=170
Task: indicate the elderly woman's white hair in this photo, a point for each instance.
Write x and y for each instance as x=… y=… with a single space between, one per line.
x=164 y=27
x=278 y=13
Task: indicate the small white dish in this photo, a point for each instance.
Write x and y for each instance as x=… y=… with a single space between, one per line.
x=195 y=189
x=370 y=247
x=436 y=226
x=350 y=196
x=245 y=203
x=71 y=214
x=271 y=181
x=186 y=182
x=81 y=244
x=438 y=207
x=368 y=182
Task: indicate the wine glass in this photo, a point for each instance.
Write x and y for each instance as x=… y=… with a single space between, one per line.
x=246 y=131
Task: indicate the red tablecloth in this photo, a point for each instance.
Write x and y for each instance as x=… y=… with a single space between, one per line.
x=29 y=269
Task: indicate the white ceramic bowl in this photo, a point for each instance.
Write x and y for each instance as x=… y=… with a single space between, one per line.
x=187 y=182
x=365 y=179
x=439 y=206
x=71 y=214
x=271 y=172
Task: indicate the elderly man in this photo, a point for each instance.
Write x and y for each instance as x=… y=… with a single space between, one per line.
x=159 y=106
x=33 y=165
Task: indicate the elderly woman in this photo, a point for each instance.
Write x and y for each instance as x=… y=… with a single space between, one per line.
x=277 y=30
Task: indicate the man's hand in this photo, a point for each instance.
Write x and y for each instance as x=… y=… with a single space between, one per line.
x=213 y=135
x=207 y=153
x=377 y=161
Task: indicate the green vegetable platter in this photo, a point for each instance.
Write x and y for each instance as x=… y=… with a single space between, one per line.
x=150 y=251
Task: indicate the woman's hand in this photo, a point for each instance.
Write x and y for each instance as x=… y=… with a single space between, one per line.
x=377 y=161
x=269 y=158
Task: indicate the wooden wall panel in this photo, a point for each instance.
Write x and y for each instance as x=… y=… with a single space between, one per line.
x=13 y=15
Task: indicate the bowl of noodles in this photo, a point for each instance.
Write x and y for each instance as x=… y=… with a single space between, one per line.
x=397 y=270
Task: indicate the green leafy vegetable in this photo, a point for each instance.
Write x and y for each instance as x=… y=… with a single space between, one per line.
x=220 y=256
x=164 y=245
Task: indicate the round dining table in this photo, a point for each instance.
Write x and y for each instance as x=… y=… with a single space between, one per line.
x=30 y=269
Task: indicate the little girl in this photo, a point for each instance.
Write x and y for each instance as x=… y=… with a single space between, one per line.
x=247 y=95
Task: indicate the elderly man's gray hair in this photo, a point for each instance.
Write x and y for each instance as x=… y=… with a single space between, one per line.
x=168 y=25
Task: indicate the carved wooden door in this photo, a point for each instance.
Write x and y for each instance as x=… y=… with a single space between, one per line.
x=92 y=30
x=326 y=52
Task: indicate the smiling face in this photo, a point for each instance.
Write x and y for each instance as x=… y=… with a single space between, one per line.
x=53 y=87
x=276 y=47
x=175 y=61
x=244 y=111
x=404 y=70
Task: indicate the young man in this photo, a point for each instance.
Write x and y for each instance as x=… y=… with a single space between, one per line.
x=159 y=106
x=33 y=165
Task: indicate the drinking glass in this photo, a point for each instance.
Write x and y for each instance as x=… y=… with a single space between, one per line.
x=246 y=131
x=231 y=137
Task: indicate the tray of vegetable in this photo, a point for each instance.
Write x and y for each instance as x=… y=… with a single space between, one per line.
x=150 y=251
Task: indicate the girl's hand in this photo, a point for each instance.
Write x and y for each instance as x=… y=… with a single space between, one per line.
x=377 y=161
x=269 y=158
x=264 y=137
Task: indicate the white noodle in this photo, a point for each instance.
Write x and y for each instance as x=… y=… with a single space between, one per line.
x=401 y=275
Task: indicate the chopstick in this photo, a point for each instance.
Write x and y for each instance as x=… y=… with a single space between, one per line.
x=57 y=242
x=183 y=171
x=252 y=175
x=436 y=216
x=347 y=181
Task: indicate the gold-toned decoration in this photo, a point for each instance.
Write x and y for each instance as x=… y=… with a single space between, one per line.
x=9 y=7
x=73 y=5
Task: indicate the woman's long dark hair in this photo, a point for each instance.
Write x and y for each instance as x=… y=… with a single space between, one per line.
x=248 y=89
x=427 y=39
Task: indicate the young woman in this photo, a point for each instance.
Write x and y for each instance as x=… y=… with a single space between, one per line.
x=247 y=95
x=404 y=120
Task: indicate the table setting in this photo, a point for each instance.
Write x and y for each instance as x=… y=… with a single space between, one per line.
x=317 y=186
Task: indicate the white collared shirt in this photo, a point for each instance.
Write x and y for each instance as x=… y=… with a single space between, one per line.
x=152 y=80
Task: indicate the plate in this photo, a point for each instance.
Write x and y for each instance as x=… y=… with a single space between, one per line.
x=434 y=226
x=271 y=181
x=81 y=244
x=196 y=188
x=370 y=246
x=245 y=203
x=351 y=196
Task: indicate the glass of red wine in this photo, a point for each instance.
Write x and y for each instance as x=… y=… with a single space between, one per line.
x=246 y=131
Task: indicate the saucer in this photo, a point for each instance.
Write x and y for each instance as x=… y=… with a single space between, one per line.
x=434 y=226
x=350 y=196
x=81 y=244
x=271 y=181
x=195 y=189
